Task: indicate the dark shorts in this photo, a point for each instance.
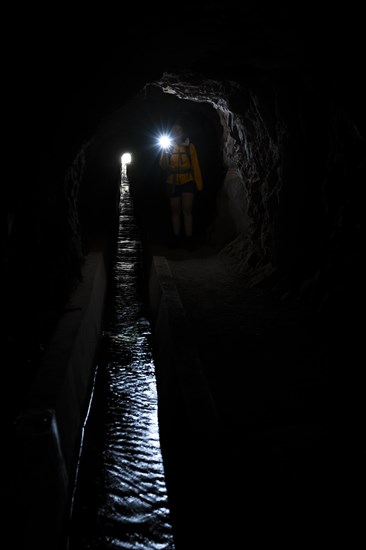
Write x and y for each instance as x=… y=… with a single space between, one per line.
x=177 y=190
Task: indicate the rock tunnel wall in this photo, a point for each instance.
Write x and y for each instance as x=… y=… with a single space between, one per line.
x=286 y=188
x=294 y=164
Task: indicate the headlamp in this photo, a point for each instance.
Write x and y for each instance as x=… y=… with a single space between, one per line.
x=165 y=141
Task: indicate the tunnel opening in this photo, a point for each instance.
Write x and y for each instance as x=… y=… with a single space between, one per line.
x=126 y=159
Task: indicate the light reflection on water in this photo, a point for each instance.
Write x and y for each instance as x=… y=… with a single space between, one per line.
x=120 y=498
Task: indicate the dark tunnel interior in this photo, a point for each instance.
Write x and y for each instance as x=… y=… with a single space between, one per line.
x=272 y=97
x=137 y=132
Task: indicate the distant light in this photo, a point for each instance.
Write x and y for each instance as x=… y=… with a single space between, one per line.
x=126 y=158
x=164 y=141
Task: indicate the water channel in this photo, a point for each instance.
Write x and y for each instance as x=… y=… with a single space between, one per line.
x=120 y=499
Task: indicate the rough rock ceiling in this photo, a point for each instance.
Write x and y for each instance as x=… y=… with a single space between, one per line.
x=71 y=68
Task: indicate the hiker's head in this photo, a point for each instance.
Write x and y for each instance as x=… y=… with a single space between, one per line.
x=177 y=132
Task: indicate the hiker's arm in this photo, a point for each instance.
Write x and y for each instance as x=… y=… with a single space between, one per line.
x=164 y=160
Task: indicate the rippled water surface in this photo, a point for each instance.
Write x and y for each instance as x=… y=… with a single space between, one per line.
x=120 y=499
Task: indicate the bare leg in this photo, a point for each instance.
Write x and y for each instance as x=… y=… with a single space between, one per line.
x=187 y=206
x=175 y=208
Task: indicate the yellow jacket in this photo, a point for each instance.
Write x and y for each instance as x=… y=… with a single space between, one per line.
x=181 y=165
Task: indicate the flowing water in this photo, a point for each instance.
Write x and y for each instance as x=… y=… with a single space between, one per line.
x=120 y=499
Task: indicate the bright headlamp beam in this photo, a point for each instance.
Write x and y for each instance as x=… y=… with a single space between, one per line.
x=164 y=141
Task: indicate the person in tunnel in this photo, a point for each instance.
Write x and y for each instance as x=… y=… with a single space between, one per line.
x=183 y=179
